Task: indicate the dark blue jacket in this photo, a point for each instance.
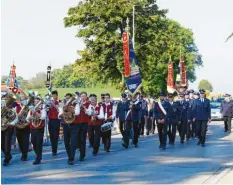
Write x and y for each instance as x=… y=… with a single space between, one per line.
x=184 y=106
x=144 y=106
x=122 y=109
x=202 y=110
x=191 y=109
x=134 y=112
x=157 y=113
x=174 y=111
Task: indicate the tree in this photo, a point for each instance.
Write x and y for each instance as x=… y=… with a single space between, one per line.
x=205 y=84
x=101 y=24
x=4 y=79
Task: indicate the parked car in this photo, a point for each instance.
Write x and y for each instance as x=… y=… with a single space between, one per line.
x=215 y=110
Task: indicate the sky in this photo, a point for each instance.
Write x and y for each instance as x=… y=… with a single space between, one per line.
x=33 y=34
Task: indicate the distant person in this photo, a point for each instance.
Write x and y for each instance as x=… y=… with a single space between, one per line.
x=227 y=112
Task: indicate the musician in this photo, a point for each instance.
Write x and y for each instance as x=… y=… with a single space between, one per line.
x=70 y=130
x=173 y=118
x=184 y=105
x=227 y=112
x=122 y=109
x=132 y=123
x=54 y=122
x=160 y=114
x=82 y=122
x=96 y=117
x=6 y=135
x=23 y=135
x=110 y=114
x=202 y=115
x=144 y=114
x=37 y=130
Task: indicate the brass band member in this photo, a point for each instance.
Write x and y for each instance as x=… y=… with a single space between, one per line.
x=96 y=117
x=70 y=127
x=6 y=134
x=82 y=122
x=36 y=118
x=54 y=122
x=110 y=114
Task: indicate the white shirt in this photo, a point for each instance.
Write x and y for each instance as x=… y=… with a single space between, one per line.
x=42 y=117
x=101 y=113
x=76 y=110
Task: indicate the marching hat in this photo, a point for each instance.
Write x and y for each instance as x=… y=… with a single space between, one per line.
x=123 y=95
x=186 y=93
x=170 y=95
x=227 y=95
x=202 y=91
x=191 y=91
x=93 y=95
x=182 y=94
x=162 y=94
x=77 y=93
x=196 y=93
x=102 y=95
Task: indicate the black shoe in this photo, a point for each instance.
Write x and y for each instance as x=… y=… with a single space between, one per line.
x=36 y=162
x=70 y=162
x=225 y=130
x=124 y=145
x=54 y=154
x=203 y=145
x=147 y=133
x=136 y=145
x=107 y=150
x=182 y=141
x=5 y=163
x=23 y=158
x=198 y=143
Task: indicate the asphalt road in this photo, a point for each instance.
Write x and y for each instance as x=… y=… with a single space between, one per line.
x=183 y=163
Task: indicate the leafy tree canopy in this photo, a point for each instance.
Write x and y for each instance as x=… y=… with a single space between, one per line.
x=205 y=84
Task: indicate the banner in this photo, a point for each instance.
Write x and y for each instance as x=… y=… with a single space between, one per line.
x=125 y=38
x=48 y=80
x=132 y=73
x=170 y=78
x=182 y=72
x=12 y=82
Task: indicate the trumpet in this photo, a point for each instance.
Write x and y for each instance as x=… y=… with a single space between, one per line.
x=68 y=111
x=93 y=115
x=36 y=117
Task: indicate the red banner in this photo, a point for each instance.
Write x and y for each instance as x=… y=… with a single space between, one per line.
x=183 y=72
x=125 y=38
x=170 y=78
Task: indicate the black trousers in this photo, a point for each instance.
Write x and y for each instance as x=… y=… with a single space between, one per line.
x=227 y=123
x=129 y=126
x=107 y=139
x=54 y=129
x=37 y=142
x=6 y=137
x=122 y=127
x=81 y=138
x=142 y=126
x=183 y=129
x=70 y=132
x=189 y=129
x=94 y=136
x=150 y=126
x=194 y=129
x=22 y=136
x=201 y=126
x=162 y=130
x=172 y=129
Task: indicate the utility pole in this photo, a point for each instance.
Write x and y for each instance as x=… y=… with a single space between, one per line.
x=133 y=26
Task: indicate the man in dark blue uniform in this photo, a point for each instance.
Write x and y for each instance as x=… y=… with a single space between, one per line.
x=191 y=130
x=227 y=112
x=173 y=118
x=160 y=114
x=202 y=115
x=183 y=123
x=144 y=115
x=122 y=109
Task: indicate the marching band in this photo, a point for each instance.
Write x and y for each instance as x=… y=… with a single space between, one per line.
x=79 y=114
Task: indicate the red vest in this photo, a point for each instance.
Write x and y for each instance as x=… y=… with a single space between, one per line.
x=82 y=117
x=108 y=109
x=42 y=125
x=53 y=113
x=97 y=121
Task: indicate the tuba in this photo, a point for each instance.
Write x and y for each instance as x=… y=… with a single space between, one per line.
x=7 y=114
x=36 y=121
x=68 y=114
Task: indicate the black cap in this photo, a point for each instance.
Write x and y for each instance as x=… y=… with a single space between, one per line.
x=93 y=95
x=227 y=95
x=191 y=91
x=170 y=95
x=196 y=93
x=77 y=93
x=181 y=94
x=186 y=93
x=202 y=91
x=162 y=94
x=123 y=95
x=102 y=95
